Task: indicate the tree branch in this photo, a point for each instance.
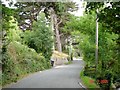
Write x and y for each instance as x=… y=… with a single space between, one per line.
x=59 y=22
x=61 y=34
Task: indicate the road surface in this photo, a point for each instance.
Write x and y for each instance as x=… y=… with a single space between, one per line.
x=64 y=76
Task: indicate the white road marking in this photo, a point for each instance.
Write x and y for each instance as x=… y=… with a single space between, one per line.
x=81 y=85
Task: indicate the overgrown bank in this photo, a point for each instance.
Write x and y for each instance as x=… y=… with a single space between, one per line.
x=19 y=63
x=21 y=58
x=88 y=82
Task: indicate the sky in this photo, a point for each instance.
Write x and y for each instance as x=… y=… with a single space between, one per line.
x=80 y=9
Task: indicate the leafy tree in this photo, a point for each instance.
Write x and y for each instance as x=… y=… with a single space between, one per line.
x=6 y=17
x=30 y=10
x=40 y=38
x=18 y=59
x=109 y=15
x=84 y=28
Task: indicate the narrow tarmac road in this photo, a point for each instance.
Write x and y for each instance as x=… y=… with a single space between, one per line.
x=64 y=76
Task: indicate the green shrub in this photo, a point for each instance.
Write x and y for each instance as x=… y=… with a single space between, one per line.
x=20 y=60
x=88 y=81
x=90 y=71
x=40 y=38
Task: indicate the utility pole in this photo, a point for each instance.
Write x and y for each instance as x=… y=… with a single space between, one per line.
x=96 y=51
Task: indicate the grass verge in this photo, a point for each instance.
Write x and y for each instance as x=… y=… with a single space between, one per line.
x=88 y=82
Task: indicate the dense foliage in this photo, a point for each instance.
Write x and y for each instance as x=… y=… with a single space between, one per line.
x=40 y=38
x=17 y=62
x=30 y=10
x=29 y=50
x=18 y=59
x=109 y=17
x=84 y=28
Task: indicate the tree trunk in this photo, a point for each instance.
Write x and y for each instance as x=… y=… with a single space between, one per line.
x=59 y=46
x=54 y=26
